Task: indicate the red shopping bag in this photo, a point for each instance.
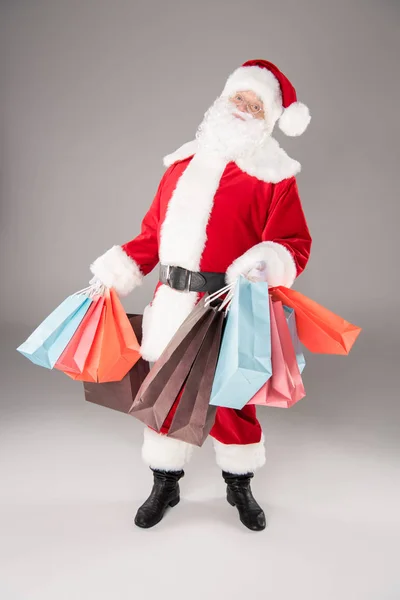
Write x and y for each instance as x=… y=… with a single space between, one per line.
x=91 y=367
x=319 y=329
x=74 y=357
x=285 y=387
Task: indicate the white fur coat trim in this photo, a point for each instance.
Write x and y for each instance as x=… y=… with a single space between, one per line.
x=116 y=269
x=182 y=241
x=165 y=453
x=240 y=458
x=183 y=232
x=280 y=265
x=162 y=319
x=269 y=162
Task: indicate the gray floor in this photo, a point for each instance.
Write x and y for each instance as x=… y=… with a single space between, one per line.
x=71 y=478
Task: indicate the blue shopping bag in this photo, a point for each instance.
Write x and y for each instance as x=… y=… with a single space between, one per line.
x=291 y=321
x=244 y=362
x=46 y=344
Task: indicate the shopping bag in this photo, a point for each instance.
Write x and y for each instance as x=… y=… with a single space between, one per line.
x=244 y=363
x=45 y=345
x=91 y=366
x=118 y=395
x=291 y=321
x=164 y=382
x=319 y=329
x=74 y=357
x=285 y=387
x=114 y=350
x=120 y=349
x=194 y=417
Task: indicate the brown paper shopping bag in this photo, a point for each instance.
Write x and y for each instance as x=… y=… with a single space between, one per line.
x=161 y=387
x=194 y=417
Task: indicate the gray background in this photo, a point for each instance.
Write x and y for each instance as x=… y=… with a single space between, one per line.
x=93 y=94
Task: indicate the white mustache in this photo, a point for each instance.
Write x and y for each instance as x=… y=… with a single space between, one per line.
x=244 y=115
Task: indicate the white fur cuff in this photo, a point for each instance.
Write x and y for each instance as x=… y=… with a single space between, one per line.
x=280 y=265
x=162 y=452
x=116 y=269
x=240 y=458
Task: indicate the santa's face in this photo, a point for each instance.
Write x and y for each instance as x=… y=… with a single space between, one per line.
x=232 y=126
x=248 y=102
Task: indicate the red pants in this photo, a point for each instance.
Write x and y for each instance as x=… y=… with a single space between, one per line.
x=231 y=426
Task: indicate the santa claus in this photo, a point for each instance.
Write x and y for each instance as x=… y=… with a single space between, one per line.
x=227 y=204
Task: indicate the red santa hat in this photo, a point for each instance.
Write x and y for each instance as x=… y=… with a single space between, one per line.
x=275 y=90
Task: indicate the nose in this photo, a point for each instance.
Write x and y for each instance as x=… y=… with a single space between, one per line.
x=243 y=103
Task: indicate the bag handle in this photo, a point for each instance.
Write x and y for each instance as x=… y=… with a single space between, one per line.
x=95 y=289
x=228 y=301
x=227 y=289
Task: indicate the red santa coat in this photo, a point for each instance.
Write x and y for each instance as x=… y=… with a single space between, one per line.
x=210 y=214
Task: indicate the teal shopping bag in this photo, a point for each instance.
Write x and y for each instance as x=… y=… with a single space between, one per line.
x=291 y=321
x=244 y=362
x=46 y=344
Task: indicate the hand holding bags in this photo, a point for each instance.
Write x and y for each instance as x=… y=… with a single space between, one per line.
x=88 y=337
x=319 y=329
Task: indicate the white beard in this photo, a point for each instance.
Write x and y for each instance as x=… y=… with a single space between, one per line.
x=229 y=136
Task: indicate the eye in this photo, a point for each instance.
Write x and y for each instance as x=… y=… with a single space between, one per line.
x=238 y=98
x=255 y=108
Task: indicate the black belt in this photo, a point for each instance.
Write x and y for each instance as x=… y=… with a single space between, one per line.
x=191 y=281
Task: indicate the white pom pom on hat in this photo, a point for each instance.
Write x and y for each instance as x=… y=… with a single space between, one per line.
x=275 y=90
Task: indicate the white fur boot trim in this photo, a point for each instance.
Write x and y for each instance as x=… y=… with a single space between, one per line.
x=162 y=452
x=240 y=458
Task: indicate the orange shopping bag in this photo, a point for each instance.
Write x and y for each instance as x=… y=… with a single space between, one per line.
x=319 y=329
x=114 y=349
x=285 y=387
x=74 y=357
x=120 y=348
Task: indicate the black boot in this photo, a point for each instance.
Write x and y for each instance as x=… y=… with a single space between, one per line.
x=165 y=493
x=239 y=494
